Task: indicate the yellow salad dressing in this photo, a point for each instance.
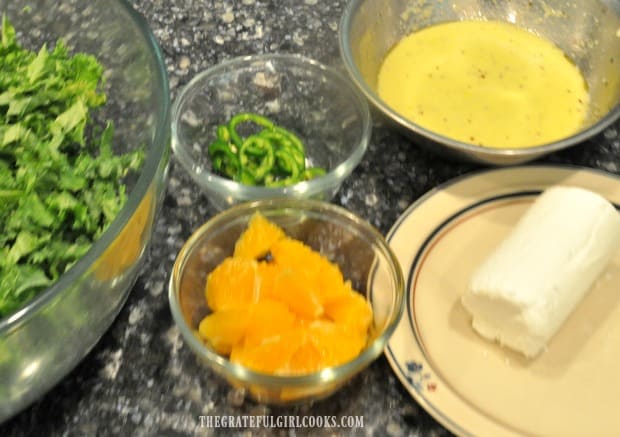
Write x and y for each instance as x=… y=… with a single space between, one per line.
x=484 y=82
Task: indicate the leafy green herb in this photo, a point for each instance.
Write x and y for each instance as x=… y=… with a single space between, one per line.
x=59 y=186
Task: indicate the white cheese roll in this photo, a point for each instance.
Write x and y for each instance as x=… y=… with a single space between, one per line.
x=523 y=292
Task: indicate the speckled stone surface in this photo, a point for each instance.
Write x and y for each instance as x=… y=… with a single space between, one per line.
x=140 y=379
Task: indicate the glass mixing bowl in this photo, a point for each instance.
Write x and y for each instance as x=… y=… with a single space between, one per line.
x=44 y=340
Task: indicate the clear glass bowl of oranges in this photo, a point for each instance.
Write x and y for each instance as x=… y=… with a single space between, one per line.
x=287 y=299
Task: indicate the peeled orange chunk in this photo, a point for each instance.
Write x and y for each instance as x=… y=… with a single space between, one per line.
x=256 y=241
x=330 y=284
x=307 y=358
x=279 y=307
x=224 y=328
x=267 y=319
x=232 y=283
x=291 y=287
x=272 y=355
x=335 y=342
x=291 y=253
x=352 y=310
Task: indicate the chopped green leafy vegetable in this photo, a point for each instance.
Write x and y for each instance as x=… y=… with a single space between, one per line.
x=59 y=186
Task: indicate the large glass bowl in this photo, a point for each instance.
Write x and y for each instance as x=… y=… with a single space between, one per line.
x=43 y=341
x=358 y=249
x=586 y=30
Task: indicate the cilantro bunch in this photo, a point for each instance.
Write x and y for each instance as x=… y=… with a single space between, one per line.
x=60 y=182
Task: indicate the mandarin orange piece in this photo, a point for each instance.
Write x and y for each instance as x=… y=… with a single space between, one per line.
x=267 y=318
x=288 y=252
x=225 y=328
x=258 y=238
x=351 y=309
x=320 y=274
x=330 y=285
x=273 y=355
x=267 y=273
x=306 y=359
x=291 y=286
x=232 y=283
x=336 y=343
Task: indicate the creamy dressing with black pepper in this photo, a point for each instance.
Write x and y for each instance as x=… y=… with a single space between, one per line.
x=487 y=83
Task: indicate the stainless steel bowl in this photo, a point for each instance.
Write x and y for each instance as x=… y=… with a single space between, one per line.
x=43 y=341
x=586 y=30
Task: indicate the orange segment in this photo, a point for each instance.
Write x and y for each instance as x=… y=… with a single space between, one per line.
x=268 y=318
x=232 y=283
x=336 y=343
x=293 y=288
x=291 y=253
x=258 y=238
x=223 y=329
x=330 y=283
x=273 y=355
x=267 y=273
x=321 y=275
x=351 y=310
x=306 y=359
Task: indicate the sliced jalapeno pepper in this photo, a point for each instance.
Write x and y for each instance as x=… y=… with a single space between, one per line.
x=223 y=134
x=245 y=118
x=285 y=142
x=273 y=156
x=294 y=139
x=223 y=159
x=312 y=172
x=246 y=177
x=257 y=157
x=287 y=164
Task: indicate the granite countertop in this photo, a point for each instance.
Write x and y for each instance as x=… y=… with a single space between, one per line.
x=141 y=379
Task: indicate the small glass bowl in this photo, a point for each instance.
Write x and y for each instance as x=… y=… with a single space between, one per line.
x=318 y=104
x=359 y=249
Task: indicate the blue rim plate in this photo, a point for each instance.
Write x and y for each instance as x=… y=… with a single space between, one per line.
x=470 y=385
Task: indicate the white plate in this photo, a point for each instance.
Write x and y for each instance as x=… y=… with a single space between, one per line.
x=473 y=386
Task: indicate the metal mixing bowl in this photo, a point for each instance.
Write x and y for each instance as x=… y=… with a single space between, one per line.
x=43 y=341
x=586 y=30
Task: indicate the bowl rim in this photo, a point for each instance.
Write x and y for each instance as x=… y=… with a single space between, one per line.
x=344 y=30
x=213 y=182
x=156 y=157
x=327 y=375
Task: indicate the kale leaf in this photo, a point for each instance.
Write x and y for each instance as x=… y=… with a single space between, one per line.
x=60 y=182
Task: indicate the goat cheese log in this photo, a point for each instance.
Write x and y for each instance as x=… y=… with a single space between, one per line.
x=523 y=292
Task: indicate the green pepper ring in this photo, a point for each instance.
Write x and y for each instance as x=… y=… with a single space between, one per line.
x=274 y=157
